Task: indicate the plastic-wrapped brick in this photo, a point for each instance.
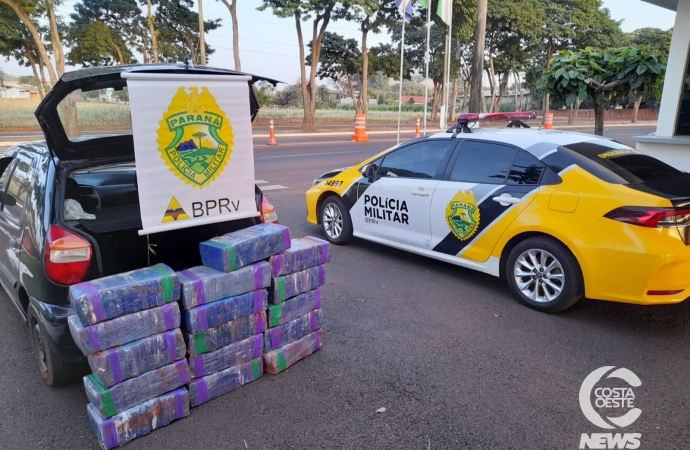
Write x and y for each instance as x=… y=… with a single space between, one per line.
x=124 y=395
x=106 y=298
x=228 y=356
x=226 y=334
x=211 y=386
x=241 y=248
x=280 y=359
x=288 y=286
x=294 y=307
x=139 y=420
x=130 y=360
x=202 y=285
x=289 y=332
x=214 y=314
x=303 y=253
x=124 y=329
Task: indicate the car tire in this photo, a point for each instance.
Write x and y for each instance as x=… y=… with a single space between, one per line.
x=53 y=370
x=336 y=222
x=544 y=275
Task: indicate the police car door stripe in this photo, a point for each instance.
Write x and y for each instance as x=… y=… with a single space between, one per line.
x=490 y=210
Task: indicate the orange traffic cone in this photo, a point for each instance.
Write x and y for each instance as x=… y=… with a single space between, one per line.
x=548 y=121
x=360 y=129
x=271 y=134
x=416 y=130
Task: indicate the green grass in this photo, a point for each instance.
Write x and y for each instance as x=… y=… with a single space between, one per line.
x=19 y=114
x=293 y=115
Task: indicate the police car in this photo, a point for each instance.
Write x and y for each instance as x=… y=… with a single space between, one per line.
x=560 y=215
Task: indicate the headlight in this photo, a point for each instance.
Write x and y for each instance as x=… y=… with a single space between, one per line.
x=316 y=181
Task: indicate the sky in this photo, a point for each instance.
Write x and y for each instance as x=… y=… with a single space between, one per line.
x=268 y=44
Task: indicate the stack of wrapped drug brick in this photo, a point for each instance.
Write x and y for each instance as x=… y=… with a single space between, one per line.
x=294 y=315
x=128 y=327
x=225 y=305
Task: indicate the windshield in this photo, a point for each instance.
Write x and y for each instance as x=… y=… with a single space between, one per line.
x=620 y=164
x=96 y=112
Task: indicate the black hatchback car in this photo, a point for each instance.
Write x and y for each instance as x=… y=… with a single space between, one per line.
x=43 y=250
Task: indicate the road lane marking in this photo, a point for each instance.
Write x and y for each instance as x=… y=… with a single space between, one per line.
x=273 y=187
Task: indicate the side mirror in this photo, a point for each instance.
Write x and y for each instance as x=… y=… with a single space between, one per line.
x=370 y=172
x=10 y=200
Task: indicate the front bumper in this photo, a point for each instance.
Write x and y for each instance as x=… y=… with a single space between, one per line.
x=622 y=262
x=54 y=321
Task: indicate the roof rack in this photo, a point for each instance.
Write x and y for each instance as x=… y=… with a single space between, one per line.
x=514 y=120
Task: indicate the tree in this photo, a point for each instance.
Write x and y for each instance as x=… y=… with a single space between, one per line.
x=340 y=60
x=178 y=31
x=290 y=96
x=477 y=91
x=150 y=22
x=232 y=7
x=320 y=12
x=265 y=93
x=603 y=74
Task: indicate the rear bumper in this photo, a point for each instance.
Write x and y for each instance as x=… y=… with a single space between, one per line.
x=622 y=262
x=54 y=321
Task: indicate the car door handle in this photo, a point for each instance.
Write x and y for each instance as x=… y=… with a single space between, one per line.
x=421 y=193
x=507 y=199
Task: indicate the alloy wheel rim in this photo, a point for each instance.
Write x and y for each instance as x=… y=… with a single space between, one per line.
x=332 y=221
x=539 y=275
x=40 y=347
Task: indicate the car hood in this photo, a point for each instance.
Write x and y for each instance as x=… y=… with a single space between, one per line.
x=91 y=79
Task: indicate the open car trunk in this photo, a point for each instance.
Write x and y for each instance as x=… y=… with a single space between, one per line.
x=109 y=192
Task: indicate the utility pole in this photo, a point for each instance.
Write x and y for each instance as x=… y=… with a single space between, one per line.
x=476 y=93
x=202 y=42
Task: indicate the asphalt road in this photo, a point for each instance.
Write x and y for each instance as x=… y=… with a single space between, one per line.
x=456 y=362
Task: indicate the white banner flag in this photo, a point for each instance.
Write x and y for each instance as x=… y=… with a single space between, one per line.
x=193 y=149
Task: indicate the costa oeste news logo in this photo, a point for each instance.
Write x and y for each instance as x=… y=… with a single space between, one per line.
x=608 y=401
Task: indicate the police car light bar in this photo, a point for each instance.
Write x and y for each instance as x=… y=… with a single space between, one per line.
x=514 y=118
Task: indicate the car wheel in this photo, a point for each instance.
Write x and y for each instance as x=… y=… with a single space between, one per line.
x=544 y=275
x=335 y=221
x=53 y=370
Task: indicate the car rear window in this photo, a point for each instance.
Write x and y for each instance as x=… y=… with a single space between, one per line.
x=617 y=163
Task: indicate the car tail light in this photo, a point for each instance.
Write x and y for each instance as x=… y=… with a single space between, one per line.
x=67 y=256
x=268 y=212
x=651 y=217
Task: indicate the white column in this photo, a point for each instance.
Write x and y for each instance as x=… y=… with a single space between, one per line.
x=675 y=72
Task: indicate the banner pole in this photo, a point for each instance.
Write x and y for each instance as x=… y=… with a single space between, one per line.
x=402 y=53
x=447 y=79
x=427 y=58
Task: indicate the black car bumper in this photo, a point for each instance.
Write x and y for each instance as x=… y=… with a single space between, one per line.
x=54 y=321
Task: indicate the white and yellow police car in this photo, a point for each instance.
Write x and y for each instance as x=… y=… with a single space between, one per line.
x=560 y=215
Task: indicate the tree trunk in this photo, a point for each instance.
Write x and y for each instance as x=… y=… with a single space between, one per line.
x=636 y=107
x=516 y=88
x=438 y=86
x=571 y=114
x=598 y=113
x=453 y=100
x=503 y=85
x=364 y=80
x=308 y=119
x=31 y=26
x=120 y=57
x=41 y=72
x=549 y=55
x=491 y=87
x=58 y=52
x=32 y=62
x=152 y=30
x=466 y=95
x=232 y=7
x=477 y=96
x=351 y=86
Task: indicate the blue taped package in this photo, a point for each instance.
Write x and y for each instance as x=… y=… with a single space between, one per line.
x=226 y=334
x=294 y=307
x=214 y=314
x=139 y=420
x=209 y=387
x=241 y=248
x=202 y=285
x=124 y=329
x=129 y=393
x=106 y=298
x=282 y=335
x=130 y=360
x=288 y=286
x=228 y=356
x=303 y=253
